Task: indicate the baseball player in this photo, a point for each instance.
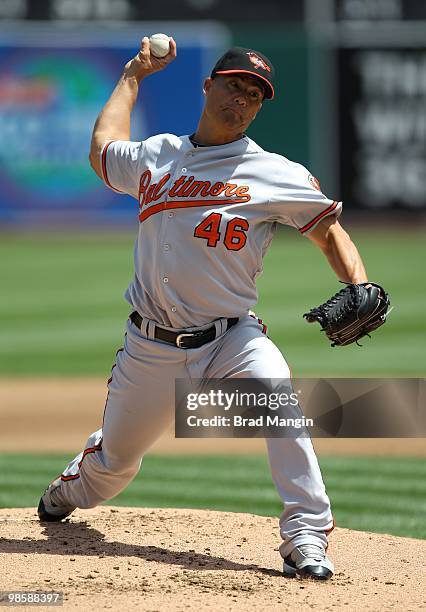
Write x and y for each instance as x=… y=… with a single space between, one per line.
x=208 y=205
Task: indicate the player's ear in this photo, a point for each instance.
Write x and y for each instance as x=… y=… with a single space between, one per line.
x=207 y=85
x=257 y=112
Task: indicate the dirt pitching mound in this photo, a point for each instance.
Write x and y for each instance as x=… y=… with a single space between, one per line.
x=168 y=559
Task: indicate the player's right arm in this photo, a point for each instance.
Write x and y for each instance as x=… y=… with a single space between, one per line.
x=113 y=123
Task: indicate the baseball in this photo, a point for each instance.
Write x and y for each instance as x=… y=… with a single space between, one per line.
x=159 y=45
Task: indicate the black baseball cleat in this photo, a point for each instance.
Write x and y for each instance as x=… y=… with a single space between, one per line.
x=49 y=510
x=308 y=561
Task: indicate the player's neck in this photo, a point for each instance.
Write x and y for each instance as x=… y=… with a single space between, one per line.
x=209 y=135
x=209 y=140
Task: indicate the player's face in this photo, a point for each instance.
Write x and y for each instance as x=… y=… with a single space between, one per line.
x=233 y=100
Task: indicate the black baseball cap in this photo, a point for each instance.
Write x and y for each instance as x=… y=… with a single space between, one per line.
x=247 y=61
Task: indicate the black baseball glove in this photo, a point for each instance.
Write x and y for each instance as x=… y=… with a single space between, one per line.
x=353 y=312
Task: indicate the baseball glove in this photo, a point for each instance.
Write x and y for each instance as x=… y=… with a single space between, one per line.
x=353 y=312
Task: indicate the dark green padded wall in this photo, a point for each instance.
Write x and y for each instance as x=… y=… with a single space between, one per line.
x=282 y=126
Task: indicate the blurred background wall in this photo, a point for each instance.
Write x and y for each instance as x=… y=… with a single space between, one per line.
x=351 y=96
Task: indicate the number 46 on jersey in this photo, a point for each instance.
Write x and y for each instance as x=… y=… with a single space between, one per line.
x=235 y=235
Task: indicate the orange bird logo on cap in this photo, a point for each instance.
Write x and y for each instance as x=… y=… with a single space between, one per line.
x=314 y=182
x=258 y=62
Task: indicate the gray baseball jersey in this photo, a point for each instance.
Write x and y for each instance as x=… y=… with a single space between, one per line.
x=207 y=216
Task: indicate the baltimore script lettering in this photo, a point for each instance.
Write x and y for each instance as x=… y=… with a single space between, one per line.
x=187 y=187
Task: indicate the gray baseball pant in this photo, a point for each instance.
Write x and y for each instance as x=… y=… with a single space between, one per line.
x=140 y=407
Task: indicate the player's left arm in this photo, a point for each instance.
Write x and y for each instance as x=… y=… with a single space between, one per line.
x=359 y=308
x=339 y=249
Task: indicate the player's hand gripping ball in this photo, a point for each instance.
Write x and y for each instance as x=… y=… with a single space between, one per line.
x=146 y=61
x=159 y=45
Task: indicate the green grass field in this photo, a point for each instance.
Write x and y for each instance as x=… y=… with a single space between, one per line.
x=386 y=495
x=63 y=310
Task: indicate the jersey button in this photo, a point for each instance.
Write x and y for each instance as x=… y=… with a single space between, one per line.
x=171 y=215
x=183 y=169
x=173 y=308
x=167 y=247
x=165 y=279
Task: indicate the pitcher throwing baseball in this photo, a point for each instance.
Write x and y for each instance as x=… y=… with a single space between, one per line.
x=208 y=205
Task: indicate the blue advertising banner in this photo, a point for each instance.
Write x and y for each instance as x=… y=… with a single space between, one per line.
x=53 y=85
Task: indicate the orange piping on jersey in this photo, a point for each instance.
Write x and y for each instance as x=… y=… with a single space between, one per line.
x=315 y=220
x=264 y=326
x=252 y=72
x=72 y=477
x=104 y=168
x=156 y=208
x=88 y=451
x=328 y=531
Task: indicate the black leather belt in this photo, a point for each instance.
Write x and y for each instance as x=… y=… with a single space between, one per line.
x=185 y=340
